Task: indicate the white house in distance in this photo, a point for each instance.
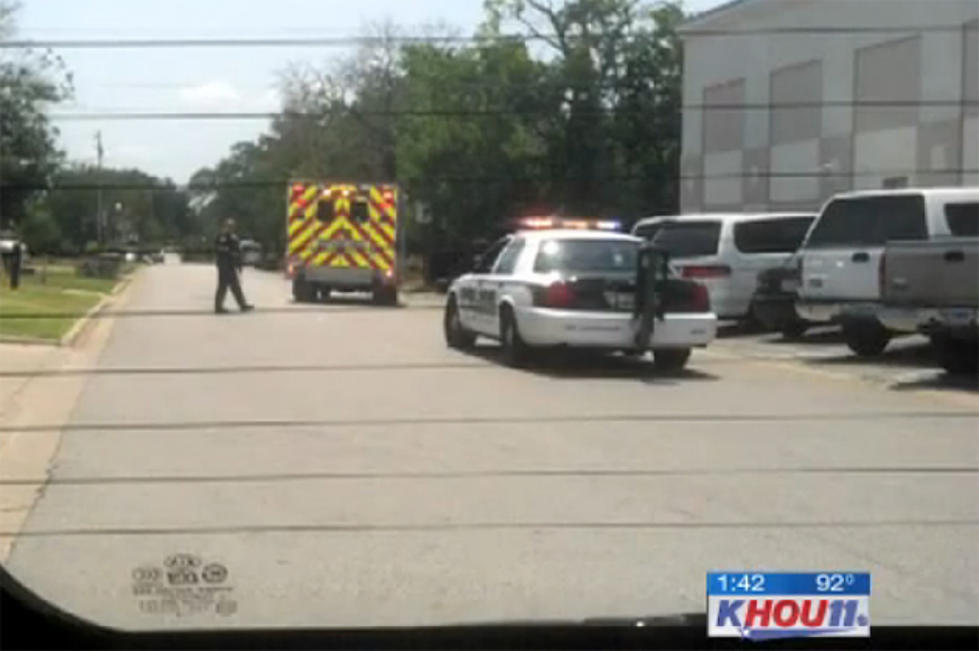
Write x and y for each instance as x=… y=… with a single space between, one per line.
x=881 y=93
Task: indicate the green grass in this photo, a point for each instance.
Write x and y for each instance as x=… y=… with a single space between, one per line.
x=61 y=292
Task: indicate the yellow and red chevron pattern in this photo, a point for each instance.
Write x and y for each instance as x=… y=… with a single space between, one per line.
x=326 y=227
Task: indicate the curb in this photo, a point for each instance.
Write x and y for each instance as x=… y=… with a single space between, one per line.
x=81 y=324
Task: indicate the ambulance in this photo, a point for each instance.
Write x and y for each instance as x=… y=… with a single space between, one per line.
x=343 y=236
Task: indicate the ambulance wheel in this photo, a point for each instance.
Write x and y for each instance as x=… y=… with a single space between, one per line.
x=456 y=336
x=385 y=296
x=302 y=291
x=670 y=359
x=516 y=353
x=323 y=293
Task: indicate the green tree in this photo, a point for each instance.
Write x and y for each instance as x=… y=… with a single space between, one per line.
x=29 y=81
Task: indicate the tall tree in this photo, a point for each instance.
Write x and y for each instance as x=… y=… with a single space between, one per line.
x=29 y=82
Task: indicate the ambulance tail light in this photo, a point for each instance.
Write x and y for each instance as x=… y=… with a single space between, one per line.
x=706 y=271
x=291 y=270
x=558 y=294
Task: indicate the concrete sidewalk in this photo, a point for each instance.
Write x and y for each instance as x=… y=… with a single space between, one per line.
x=24 y=402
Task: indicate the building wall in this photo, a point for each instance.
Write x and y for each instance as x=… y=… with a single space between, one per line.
x=766 y=155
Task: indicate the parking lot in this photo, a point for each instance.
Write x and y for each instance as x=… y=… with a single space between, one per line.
x=348 y=469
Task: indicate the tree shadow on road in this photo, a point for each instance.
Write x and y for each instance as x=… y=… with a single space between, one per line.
x=914 y=355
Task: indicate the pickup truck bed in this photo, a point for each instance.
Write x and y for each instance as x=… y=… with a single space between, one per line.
x=932 y=287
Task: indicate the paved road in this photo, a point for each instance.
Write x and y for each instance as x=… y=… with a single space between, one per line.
x=347 y=469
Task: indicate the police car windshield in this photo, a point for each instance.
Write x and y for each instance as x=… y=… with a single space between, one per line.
x=579 y=255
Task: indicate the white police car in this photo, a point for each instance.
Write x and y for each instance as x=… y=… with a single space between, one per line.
x=575 y=288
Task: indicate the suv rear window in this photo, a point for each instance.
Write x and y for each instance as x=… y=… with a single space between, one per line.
x=689 y=239
x=781 y=235
x=586 y=255
x=870 y=221
x=963 y=219
x=649 y=231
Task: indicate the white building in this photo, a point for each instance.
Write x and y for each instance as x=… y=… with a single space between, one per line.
x=880 y=93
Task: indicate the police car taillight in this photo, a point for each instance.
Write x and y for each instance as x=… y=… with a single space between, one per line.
x=700 y=298
x=557 y=294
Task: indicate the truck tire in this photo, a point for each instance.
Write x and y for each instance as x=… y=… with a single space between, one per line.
x=385 y=295
x=866 y=339
x=794 y=329
x=957 y=356
x=456 y=336
x=516 y=353
x=302 y=291
x=670 y=359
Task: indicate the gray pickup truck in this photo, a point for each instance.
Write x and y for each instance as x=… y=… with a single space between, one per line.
x=932 y=287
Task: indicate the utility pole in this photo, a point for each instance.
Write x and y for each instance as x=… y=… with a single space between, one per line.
x=98 y=210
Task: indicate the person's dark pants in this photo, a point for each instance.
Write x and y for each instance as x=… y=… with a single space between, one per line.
x=228 y=277
x=15 y=272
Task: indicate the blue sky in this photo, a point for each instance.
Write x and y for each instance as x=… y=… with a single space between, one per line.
x=204 y=79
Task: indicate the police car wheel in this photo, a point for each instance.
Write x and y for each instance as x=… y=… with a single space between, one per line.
x=515 y=351
x=456 y=336
x=670 y=359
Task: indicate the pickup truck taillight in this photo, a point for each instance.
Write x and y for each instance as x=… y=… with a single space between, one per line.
x=706 y=271
x=557 y=294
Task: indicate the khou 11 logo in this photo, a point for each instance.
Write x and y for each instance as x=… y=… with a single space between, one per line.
x=773 y=605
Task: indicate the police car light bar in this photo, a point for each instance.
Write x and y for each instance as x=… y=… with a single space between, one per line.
x=541 y=223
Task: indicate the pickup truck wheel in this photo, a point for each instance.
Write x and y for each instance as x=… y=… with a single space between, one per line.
x=670 y=359
x=958 y=356
x=516 y=353
x=866 y=339
x=456 y=335
x=302 y=291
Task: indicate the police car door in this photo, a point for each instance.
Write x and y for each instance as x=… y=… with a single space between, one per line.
x=499 y=282
x=472 y=295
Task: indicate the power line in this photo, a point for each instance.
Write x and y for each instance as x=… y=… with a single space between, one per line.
x=256 y=478
x=281 y=183
x=496 y=112
x=435 y=421
x=346 y=527
x=346 y=41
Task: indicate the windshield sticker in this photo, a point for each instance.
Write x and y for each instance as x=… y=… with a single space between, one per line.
x=183 y=584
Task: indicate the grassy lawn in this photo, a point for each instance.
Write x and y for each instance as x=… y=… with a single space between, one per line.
x=63 y=294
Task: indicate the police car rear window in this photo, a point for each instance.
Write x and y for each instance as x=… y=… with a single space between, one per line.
x=586 y=256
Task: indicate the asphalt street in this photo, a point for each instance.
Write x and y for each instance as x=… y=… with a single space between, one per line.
x=344 y=468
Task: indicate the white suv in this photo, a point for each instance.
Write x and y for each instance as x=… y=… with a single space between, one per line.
x=840 y=259
x=726 y=252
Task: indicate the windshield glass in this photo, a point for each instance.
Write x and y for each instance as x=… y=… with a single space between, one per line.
x=870 y=221
x=689 y=239
x=326 y=314
x=586 y=256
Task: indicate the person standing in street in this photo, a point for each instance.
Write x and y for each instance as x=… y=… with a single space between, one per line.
x=16 y=262
x=227 y=250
